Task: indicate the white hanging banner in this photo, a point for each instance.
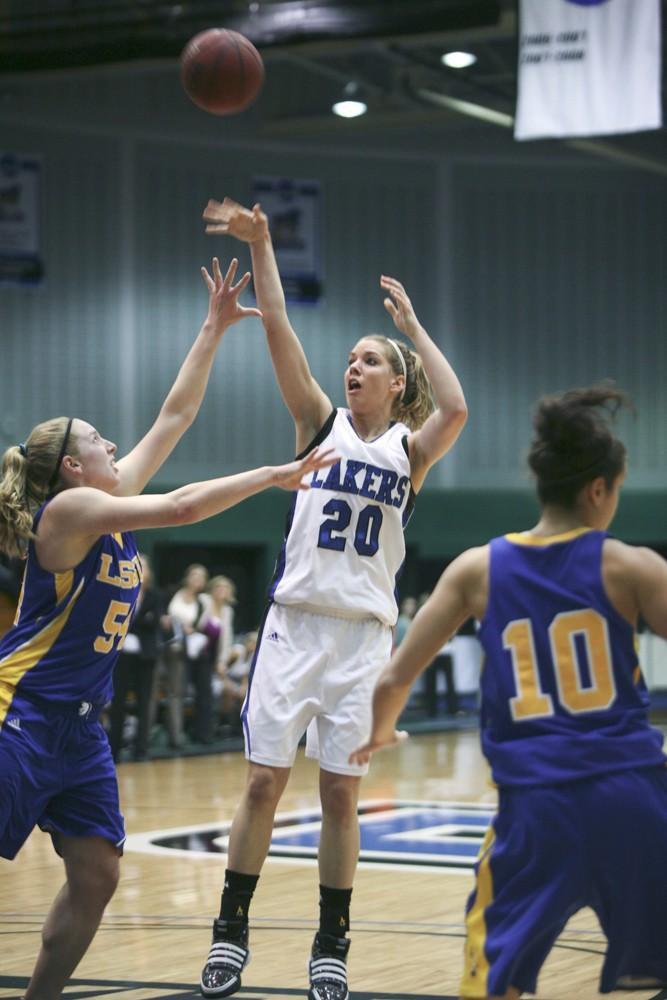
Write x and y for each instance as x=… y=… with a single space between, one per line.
x=588 y=67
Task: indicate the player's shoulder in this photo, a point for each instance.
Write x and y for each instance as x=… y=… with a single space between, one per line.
x=622 y=557
x=471 y=564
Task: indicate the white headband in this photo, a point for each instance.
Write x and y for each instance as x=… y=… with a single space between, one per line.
x=404 y=367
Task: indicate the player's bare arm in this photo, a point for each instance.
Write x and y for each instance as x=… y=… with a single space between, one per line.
x=460 y=594
x=307 y=403
x=443 y=427
x=75 y=518
x=636 y=577
x=186 y=394
x=652 y=590
x=635 y=580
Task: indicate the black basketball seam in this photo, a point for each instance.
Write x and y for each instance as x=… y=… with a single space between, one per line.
x=241 y=78
x=250 y=48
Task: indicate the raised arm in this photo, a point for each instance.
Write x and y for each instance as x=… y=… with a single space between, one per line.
x=441 y=429
x=460 y=594
x=76 y=518
x=186 y=394
x=304 y=398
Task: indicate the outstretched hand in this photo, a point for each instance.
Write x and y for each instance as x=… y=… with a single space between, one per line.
x=233 y=219
x=290 y=476
x=224 y=307
x=363 y=754
x=399 y=306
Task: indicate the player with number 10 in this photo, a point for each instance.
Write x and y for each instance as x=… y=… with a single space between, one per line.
x=582 y=784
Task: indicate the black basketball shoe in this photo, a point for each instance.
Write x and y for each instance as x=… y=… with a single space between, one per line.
x=229 y=954
x=327 y=969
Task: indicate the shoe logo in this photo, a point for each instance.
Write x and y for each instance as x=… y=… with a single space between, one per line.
x=273 y=637
x=14 y=723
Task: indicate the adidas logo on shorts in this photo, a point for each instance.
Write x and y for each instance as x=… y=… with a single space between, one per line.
x=273 y=637
x=14 y=723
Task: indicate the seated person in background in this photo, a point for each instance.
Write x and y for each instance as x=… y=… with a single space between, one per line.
x=231 y=682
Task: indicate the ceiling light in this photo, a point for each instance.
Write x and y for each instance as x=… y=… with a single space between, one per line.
x=349 y=109
x=458 y=60
x=351 y=105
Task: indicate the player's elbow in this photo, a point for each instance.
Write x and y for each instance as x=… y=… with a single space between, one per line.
x=182 y=510
x=457 y=413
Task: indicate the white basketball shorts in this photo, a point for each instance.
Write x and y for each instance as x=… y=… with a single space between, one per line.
x=313 y=673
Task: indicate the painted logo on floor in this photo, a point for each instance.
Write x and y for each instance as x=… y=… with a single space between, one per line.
x=85 y=989
x=401 y=833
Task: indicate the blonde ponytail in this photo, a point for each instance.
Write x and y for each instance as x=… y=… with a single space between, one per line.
x=29 y=473
x=416 y=403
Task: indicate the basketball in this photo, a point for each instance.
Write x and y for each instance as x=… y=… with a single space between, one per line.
x=221 y=71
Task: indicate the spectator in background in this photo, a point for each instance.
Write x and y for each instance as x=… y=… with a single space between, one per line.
x=443 y=663
x=219 y=619
x=231 y=683
x=217 y=624
x=407 y=611
x=135 y=668
x=188 y=660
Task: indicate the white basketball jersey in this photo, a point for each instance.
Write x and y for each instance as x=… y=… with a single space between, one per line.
x=344 y=545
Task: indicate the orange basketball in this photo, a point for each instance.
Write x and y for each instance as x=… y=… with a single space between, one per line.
x=221 y=71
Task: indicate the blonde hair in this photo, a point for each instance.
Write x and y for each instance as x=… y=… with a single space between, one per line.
x=216 y=581
x=29 y=476
x=415 y=404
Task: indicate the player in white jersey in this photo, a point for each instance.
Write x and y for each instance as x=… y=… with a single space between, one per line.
x=327 y=631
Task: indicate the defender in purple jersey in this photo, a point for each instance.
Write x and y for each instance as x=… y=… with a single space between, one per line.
x=69 y=508
x=581 y=776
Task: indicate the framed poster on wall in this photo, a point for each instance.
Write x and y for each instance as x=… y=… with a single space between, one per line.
x=21 y=261
x=293 y=208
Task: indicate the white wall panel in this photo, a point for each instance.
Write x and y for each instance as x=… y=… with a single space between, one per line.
x=532 y=279
x=560 y=284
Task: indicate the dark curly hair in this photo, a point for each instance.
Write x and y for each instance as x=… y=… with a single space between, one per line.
x=574 y=444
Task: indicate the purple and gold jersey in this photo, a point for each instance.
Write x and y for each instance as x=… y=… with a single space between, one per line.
x=562 y=692
x=70 y=626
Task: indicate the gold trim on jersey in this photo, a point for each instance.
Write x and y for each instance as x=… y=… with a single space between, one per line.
x=63 y=582
x=19 y=603
x=17 y=663
x=118 y=537
x=525 y=538
x=475 y=962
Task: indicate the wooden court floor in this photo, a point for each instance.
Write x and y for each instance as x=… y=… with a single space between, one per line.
x=407 y=918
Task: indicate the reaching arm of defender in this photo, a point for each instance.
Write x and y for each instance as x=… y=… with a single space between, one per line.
x=186 y=394
x=76 y=518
